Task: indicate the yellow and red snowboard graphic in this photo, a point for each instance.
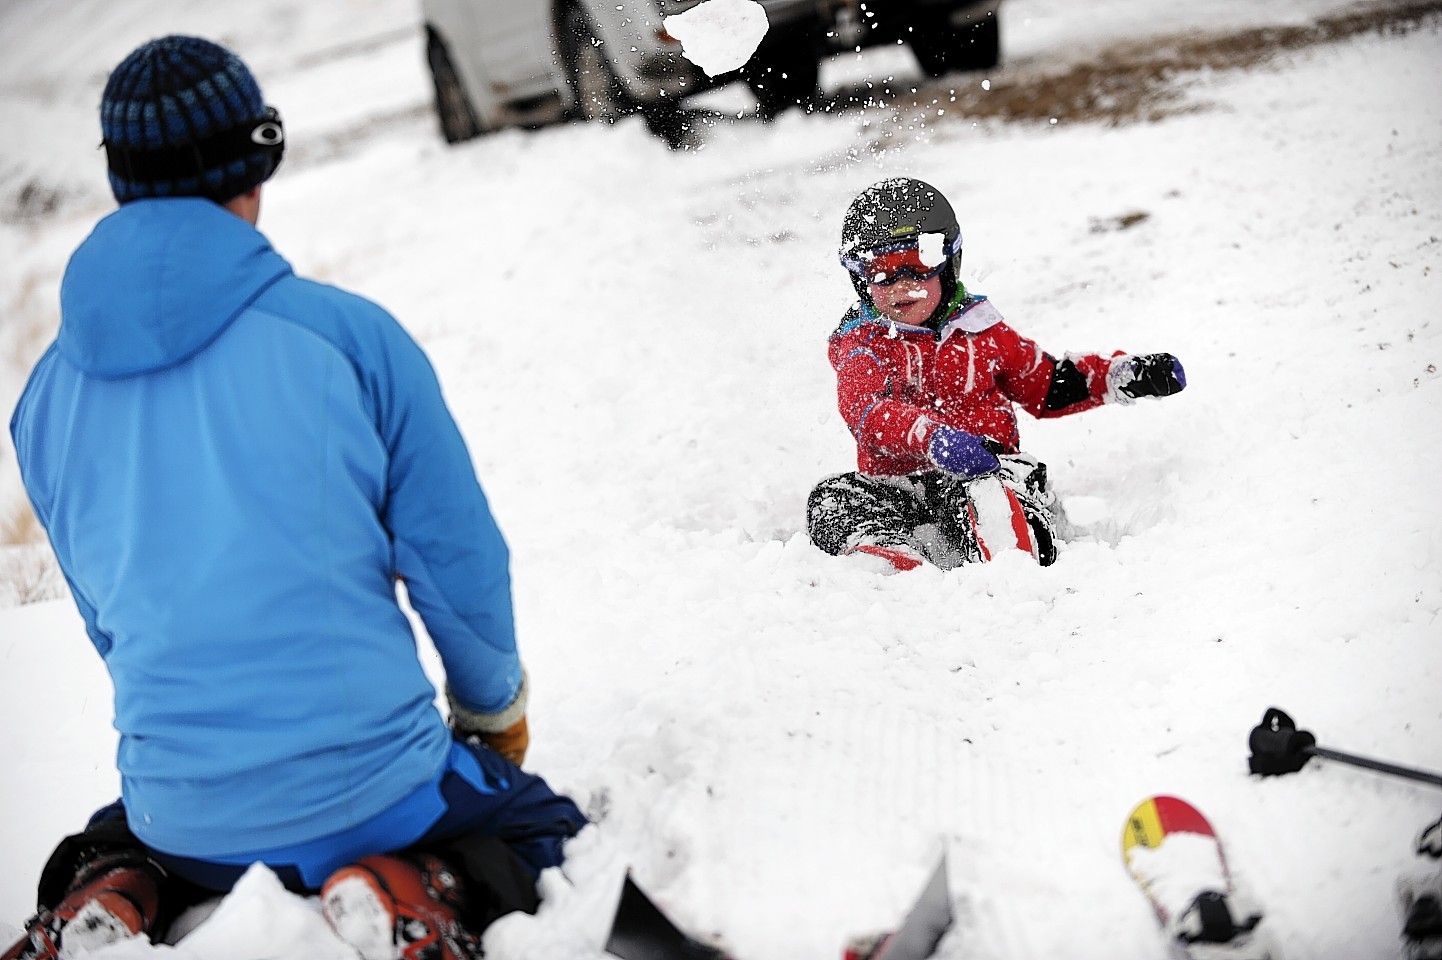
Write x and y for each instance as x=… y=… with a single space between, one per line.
x=1155 y=817
x=1174 y=855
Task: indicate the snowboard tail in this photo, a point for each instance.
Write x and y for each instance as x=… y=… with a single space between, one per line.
x=640 y=931
x=926 y=923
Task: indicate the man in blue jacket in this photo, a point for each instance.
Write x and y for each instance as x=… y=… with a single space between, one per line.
x=235 y=466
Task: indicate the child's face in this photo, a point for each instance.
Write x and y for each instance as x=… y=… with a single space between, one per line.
x=908 y=300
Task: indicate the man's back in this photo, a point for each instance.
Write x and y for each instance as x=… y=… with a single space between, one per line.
x=210 y=445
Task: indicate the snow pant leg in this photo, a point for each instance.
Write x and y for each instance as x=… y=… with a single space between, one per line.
x=495 y=881
x=107 y=838
x=1025 y=476
x=524 y=812
x=850 y=507
x=500 y=839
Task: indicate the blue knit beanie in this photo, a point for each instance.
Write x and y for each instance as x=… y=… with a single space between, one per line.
x=183 y=117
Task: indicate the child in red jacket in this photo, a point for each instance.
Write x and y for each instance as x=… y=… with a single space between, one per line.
x=928 y=378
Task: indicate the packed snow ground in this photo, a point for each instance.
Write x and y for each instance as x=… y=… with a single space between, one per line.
x=780 y=743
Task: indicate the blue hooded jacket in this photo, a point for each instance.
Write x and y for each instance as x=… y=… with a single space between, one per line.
x=234 y=465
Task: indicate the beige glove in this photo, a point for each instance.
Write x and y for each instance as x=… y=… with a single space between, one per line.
x=511 y=742
x=504 y=731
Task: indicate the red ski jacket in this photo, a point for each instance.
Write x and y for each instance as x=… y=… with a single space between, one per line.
x=895 y=383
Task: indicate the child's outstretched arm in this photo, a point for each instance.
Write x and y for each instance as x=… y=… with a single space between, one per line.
x=1047 y=387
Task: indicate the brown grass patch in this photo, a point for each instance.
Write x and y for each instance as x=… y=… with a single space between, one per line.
x=20 y=527
x=28 y=572
x=1135 y=82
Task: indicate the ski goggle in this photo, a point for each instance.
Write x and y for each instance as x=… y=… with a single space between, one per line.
x=886 y=265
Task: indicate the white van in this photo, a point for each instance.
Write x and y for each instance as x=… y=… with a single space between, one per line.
x=499 y=63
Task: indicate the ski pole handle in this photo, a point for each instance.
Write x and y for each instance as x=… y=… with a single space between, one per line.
x=1278 y=747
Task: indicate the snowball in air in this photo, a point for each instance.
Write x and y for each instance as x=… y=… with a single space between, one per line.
x=719 y=35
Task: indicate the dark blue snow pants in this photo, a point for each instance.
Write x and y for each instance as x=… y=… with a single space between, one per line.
x=528 y=818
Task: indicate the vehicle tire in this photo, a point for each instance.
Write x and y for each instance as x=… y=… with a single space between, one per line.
x=453 y=107
x=599 y=95
x=942 y=49
x=665 y=119
x=784 y=74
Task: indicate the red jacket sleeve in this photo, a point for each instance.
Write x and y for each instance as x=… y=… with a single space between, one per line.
x=1046 y=387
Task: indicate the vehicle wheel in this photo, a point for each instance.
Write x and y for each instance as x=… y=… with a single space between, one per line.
x=598 y=93
x=453 y=107
x=784 y=75
x=666 y=119
x=941 y=50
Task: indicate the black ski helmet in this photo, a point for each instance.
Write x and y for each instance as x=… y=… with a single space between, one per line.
x=896 y=211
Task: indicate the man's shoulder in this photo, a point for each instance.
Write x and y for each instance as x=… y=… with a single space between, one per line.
x=334 y=313
x=304 y=293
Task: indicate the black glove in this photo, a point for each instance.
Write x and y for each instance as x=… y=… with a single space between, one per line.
x=1148 y=375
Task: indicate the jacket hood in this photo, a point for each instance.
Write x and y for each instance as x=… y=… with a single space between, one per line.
x=158 y=280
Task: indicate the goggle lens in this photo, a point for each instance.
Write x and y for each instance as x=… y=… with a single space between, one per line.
x=888 y=265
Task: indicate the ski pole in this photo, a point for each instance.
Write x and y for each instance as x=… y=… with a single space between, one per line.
x=1279 y=747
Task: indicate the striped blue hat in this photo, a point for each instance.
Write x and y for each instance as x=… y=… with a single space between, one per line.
x=183 y=117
